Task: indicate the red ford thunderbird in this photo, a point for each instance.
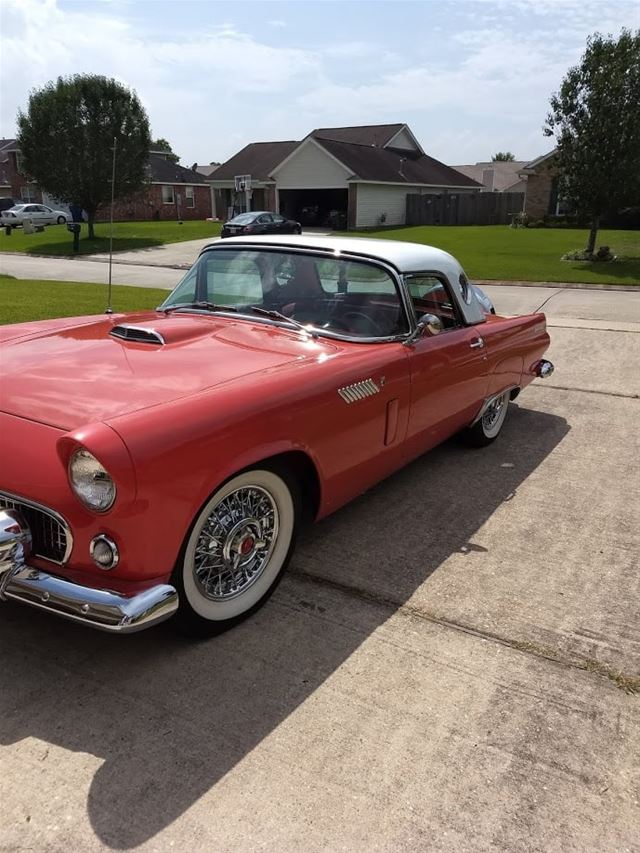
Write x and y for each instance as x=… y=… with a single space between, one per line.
x=159 y=464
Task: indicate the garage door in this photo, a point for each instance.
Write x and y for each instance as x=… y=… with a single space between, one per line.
x=313 y=207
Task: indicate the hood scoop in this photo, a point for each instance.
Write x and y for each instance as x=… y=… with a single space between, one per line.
x=137 y=334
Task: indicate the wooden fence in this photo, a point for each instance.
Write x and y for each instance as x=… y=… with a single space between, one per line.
x=463 y=208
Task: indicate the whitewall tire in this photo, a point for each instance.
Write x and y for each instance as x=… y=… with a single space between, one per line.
x=236 y=551
x=488 y=427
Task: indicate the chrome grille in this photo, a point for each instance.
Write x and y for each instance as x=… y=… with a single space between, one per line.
x=51 y=535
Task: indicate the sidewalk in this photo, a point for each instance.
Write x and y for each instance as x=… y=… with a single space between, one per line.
x=89 y=270
x=181 y=255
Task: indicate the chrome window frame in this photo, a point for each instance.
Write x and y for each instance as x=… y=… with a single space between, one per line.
x=441 y=277
x=326 y=254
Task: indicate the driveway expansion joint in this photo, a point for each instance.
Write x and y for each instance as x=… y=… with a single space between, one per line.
x=628 y=683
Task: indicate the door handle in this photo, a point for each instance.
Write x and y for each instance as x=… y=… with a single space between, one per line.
x=477 y=344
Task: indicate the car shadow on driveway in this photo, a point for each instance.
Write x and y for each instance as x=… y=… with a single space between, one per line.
x=169 y=717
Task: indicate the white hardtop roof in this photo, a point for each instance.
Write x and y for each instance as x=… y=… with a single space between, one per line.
x=406 y=257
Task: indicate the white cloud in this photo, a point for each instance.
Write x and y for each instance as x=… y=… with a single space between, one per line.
x=199 y=83
x=480 y=84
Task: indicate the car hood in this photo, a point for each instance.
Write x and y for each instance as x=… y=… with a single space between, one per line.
x=67 y=373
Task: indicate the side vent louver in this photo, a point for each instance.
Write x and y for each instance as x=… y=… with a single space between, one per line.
x=137 y=335
x=358 y=391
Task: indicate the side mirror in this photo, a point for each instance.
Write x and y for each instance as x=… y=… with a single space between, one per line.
x=431 y=324
x=428 y=323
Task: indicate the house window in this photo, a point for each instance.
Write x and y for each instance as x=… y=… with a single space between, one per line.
x=27 y=194
x=189 y=197
x=167 y=195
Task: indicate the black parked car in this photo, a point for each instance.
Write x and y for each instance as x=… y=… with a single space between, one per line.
x=259 y=222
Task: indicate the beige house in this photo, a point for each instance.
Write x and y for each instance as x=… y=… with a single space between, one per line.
x=359 y=176
x=496 y=175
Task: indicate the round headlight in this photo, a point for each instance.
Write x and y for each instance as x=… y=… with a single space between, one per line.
x=91 y=481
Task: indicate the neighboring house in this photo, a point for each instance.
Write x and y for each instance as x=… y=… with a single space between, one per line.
x=496 y=175
x=542 y=197
x=172 y=192
x=13 y=183
x=363 y=173
x=207 y=170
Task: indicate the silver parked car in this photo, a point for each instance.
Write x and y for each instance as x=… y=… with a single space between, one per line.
x=39 y=214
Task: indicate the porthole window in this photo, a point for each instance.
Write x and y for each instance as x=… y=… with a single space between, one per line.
x=465 y=290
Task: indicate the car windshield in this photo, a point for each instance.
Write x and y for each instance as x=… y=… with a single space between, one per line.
x=337 y=296
x=242 y=219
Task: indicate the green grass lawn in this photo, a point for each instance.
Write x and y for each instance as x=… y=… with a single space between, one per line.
x=527 y=254
x=22 y=299
x=56 y=240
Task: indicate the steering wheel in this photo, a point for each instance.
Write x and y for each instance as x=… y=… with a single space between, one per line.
x=371 y=328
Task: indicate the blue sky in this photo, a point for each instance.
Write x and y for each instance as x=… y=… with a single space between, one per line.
x=470 y=77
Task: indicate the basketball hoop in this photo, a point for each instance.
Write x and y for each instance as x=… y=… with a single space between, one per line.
x=242 y=183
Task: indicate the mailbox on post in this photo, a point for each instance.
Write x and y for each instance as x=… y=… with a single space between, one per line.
x=74 y=227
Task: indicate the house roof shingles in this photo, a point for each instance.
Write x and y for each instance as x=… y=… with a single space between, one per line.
x=394 y=165
x=164 y=171
x=257 y=159
x=360 y=149
x=533 y=164
x=366 y=134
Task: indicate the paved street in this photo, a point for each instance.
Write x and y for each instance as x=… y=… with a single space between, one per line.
x=443 y=667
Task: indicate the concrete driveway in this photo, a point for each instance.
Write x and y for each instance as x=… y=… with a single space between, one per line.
x=443 y=668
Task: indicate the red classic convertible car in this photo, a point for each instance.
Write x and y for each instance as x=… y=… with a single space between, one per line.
x=159 y=464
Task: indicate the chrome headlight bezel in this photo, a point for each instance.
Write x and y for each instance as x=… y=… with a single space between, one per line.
x=94 y=476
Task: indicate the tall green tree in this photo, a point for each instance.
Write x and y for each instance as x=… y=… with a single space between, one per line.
x=595 y=118
x=503 y=157
x=162 y=144
x=66 y=136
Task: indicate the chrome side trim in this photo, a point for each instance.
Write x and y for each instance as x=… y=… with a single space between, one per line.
x=358 y=391
x=489 y=400
x=10 y=496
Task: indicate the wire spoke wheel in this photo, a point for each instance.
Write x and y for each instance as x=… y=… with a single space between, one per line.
x=488 y=427
x=235 y=543
x=236 y=550
x=494 y=415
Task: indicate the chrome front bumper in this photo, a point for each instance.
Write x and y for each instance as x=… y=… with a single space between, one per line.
x=99 y=608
